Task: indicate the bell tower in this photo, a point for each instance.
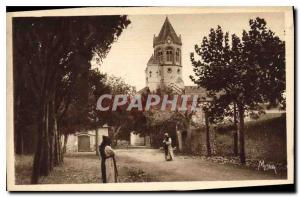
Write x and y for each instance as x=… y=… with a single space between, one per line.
x=164 y=68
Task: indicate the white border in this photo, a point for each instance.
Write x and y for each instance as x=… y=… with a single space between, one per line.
x=161 y=185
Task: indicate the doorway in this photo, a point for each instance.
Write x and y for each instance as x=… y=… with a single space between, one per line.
x=84 y=143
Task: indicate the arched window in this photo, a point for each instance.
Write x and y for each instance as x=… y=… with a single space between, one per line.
x=169 y=53
x=150 y=73
x=177 y=57
x=159 y=54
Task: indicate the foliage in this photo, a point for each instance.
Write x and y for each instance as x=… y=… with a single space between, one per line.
x=122 y=122
x=119 y=86
x=248 y=72
x=51 y=57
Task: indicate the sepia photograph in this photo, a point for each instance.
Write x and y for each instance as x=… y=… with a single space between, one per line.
x=150 y=98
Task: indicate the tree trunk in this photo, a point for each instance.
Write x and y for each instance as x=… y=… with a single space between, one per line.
x=188 y=140
x=56 y=153
x=208 y=146
x=58 y=156
x=97 y=142
x=22 y=143
x=36 y=169
x=151 y=140
x=48 y=152
x=18 y=129
x=113 y=136
x=19 y=140
x=242 y=134
x=45 y=162
x=51 y=138
x=179 y=139
x=41 y=157
x=66 y=136
x=235 y=132
x=51 y=147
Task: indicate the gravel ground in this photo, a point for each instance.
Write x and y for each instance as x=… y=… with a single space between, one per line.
x=141 y=165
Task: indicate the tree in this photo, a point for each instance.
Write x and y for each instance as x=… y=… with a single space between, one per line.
x=155 y=125
x=208 y=118
x=72 y=121
x=185 y=121
x=173 y=122
x=247 y=73
x=119 y=119
x=51 y=57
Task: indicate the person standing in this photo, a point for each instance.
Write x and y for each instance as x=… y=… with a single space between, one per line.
x=169 y=155
x=108 y=162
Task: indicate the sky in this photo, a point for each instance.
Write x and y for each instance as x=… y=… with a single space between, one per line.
x=129 y=55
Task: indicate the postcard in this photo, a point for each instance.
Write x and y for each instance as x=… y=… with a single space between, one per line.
x=150 y=98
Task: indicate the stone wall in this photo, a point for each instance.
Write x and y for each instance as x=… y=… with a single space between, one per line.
x=137 y=140
x=199 y=141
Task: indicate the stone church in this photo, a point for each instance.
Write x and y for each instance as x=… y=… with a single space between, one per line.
x=164 y=68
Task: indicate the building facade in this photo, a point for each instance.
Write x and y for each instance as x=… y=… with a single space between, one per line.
x=85 y=141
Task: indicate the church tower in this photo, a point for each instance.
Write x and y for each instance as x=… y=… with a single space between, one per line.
x=164 y=68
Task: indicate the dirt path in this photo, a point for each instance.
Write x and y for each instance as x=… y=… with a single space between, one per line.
x=188 y=169
x=139 y=165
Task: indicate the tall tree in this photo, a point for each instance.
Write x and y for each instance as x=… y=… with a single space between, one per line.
x=248 y=73
x=120 y=119
x=51 y=57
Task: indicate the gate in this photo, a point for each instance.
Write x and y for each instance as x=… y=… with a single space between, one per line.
x=84 y=143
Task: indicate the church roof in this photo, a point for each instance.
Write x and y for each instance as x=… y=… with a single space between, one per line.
x=188 y=90
x=195 y=90
x=167 y=30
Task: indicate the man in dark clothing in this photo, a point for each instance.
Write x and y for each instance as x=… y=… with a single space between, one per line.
x=105 y=142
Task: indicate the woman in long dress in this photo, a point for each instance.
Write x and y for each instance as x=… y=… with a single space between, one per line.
x=108 y=162
x=169 y=155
